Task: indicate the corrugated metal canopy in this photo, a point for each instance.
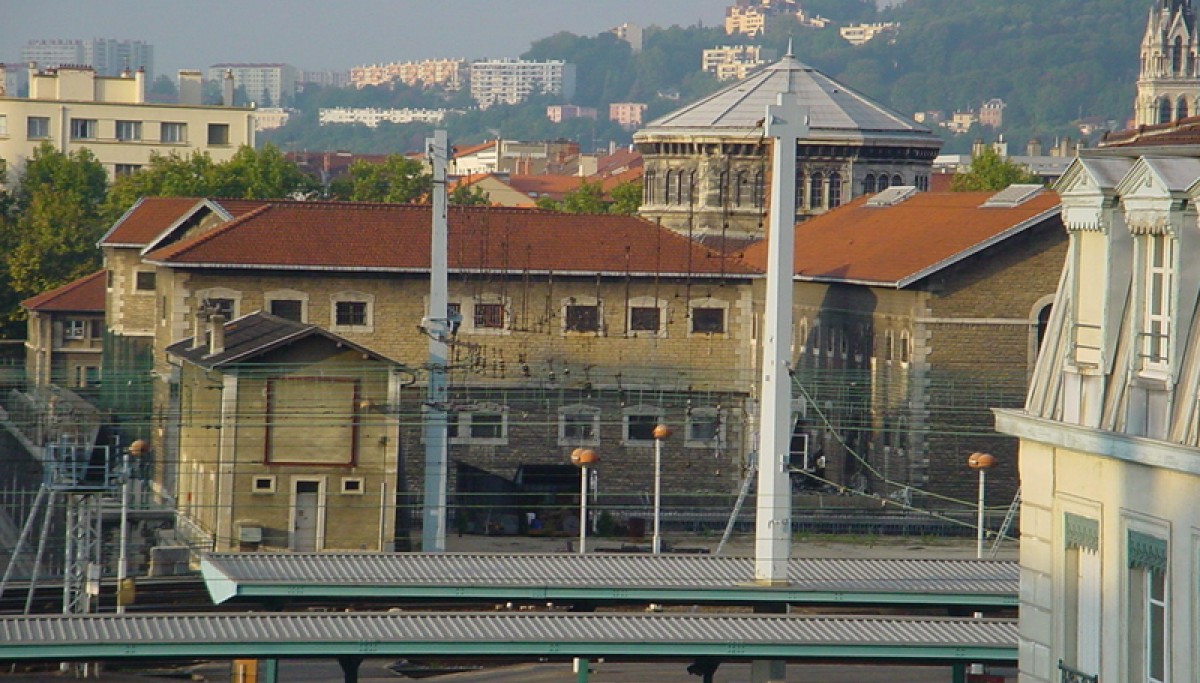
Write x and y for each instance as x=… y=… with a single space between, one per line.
x=660 y=578
x=663 y=636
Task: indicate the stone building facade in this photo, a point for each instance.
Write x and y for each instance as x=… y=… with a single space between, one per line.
x=1168 y=85
x=706 y=164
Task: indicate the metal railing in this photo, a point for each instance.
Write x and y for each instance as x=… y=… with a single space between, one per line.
x=1069 y=675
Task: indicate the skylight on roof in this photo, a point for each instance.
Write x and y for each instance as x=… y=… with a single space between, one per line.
x=892 y=196
x=1013 y=195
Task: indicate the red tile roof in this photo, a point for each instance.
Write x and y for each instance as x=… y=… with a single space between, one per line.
x=896 y=245
x=148 y=218
x=85 y=295
x=396 y=238
x=472 y=149
x=1185 y=131
x=543 y=185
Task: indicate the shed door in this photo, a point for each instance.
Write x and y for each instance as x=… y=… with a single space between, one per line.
x=304 y=524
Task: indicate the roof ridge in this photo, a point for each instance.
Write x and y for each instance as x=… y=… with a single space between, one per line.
x=187 y=245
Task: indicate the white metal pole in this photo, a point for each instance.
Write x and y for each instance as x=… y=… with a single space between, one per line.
x=657 y=543
x=979 y=525
x=123 y=559
x=583 y=514
x=785 y=122
x=433 y=527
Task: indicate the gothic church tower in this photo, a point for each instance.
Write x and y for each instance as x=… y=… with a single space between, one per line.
x=1168 y=87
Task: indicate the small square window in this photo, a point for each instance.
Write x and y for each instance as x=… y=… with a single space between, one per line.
x=704 y=428
x=489 y=316
x=487 y=425
x=639 y=427
x=129 y=130
x=84 y=129
x=578 y=425
x=581 y=318
x=645 y=319
x=708 y=320
x=74 y=329
x=145 y=281
x=288 y=309
x=37 y=127
x=352 y=486
x=122 y=170
x=218 y=134
x=4 y=125
x=351 y=313
x=263 y=485
x=220 y=306
x=174 y=132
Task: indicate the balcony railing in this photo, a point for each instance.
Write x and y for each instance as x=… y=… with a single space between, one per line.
x=1070 y=675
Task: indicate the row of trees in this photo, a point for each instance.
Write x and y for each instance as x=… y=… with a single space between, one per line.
x=62 y=204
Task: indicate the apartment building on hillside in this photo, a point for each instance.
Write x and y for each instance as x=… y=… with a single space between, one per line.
x=511 y=81
x=266 y=85
x=109 y=57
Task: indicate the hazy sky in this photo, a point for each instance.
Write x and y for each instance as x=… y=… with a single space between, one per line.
x=334 y=34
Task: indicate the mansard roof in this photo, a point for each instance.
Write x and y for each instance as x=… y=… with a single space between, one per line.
x=835 y=111
x=395 y=238
x=899 y=244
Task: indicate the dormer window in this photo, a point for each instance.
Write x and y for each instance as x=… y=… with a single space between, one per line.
x=1159 y=295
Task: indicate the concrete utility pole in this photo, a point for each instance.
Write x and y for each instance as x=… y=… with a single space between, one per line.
x=786 y=122
x=437 y=326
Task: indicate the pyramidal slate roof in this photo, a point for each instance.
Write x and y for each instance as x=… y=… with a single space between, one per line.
x=835 y=111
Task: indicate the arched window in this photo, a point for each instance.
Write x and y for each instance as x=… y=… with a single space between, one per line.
x=1177 y=56
x=667 y=187
x=759 y=189
x=799 y=189
x=679 y=184
x=649 y=187
x=1181 y=108
x=835 y=190
x=1164 y=110
x=1043 y=321
x=816 y=199
x=739 y=193
x=883 y=182
x=897 y=180
x=869 y=184
x=723 y=189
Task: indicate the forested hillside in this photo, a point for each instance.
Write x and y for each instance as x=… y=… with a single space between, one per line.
x=1053 y=62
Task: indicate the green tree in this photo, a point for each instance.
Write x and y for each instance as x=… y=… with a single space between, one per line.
x=261 y=174
x=626 y=198
x=397 y=180
x=990 y=171
x=469 y=195
x=587 y=198
x=51 y=238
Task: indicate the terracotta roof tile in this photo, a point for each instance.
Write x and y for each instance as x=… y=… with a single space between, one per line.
x=152 y=215
x=473 y=149
x=85 y=295
x=889 y=245
x=395 y=237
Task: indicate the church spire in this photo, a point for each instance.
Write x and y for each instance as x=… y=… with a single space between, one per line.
x=1168 y=86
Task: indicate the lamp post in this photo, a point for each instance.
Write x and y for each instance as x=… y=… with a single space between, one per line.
x=661 y=432
x=135 y=450
x=980 y=462
x=584 y=459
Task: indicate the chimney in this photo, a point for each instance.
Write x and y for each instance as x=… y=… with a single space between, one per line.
x=198 y=328
x=1034 y=148
x=191 y=87
x=139 y=85
x=977 y=147
x=227 y=88
x=216 y=343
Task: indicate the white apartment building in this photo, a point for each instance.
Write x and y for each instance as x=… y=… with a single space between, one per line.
x=511 y=81
x=859 y=34
x=107 y=56
x=73 y=108
x=266 y=85
x=372 y=117
x=450 y=74
x=731 y=62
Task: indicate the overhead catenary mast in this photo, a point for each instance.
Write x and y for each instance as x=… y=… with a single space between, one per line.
x=437 y=326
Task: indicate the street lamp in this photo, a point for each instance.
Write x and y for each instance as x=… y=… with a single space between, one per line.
x=661 y=432
x=981 y=462
x=584 y=459
x=135 y=450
